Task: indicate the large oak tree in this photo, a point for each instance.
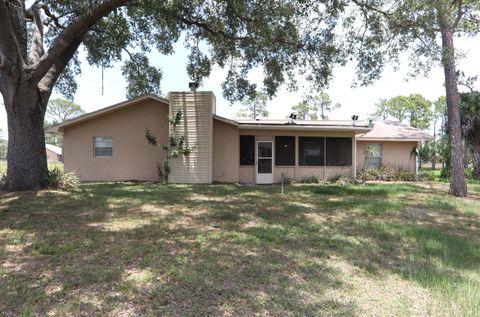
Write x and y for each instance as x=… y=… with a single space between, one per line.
x=39 y=43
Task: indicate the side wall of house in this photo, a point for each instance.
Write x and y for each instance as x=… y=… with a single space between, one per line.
x=197 y=126
x=132 y=157
x=395 y=154
x=52 y=156
x=226 y=156
x=247 y=174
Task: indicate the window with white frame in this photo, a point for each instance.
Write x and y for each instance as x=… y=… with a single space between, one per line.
x=102 y=146
x=373 y=155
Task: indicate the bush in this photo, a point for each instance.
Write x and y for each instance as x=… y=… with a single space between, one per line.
x=341 y=180
x=312 y=179
x=405 y=175
x=388 y=175
x=58 y=179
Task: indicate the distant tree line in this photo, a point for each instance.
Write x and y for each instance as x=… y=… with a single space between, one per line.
x=315 y=107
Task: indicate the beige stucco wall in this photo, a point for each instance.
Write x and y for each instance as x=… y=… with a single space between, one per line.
x=133 y=158
x=395 y=154
x=226 y=156
x=247 y=173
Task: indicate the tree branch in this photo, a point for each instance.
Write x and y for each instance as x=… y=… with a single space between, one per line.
x=460 y=13
x=54 y=18
x=36 y=49
x=372 y=8
x=48 y=81
x=10 y=52
x=72 y=34
x=206 y=27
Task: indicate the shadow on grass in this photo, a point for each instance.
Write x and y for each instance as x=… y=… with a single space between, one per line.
x=217 y=249
x=74 y=258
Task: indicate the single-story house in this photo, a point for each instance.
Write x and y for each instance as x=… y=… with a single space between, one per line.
x=110 y=144
x=54 y=153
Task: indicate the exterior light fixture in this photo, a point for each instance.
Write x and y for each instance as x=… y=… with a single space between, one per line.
x=193 y=86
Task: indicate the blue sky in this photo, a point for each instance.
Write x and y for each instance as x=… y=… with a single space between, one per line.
x=358 y=101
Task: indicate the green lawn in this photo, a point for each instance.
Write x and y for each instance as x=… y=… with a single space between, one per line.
x=126 y=249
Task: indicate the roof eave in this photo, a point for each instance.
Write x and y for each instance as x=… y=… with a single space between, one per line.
x=303 y=127
x=395 y=139
x=225 y=120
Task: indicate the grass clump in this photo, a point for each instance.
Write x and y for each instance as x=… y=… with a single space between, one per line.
x=58 y=179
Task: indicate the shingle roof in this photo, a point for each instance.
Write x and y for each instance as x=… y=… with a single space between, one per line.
x=395 y=131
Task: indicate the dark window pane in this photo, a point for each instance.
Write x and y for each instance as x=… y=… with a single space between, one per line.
x=339 y=151
x=264 y=149
x=103 y=151
x=264 y=166
x=311 y=151
x=247 y=150
x=285 y=150
x=102 y=146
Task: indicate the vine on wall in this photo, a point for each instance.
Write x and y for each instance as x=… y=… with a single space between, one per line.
x=176 y=146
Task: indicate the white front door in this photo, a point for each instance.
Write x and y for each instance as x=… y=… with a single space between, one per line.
x=264 y=162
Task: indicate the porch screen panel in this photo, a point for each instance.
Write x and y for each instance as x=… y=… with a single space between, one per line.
x=339 y=151
x=311 y=151
x=285 y=150
x=247 y=150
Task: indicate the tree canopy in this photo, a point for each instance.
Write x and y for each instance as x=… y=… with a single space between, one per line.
x=414 y=108
x=59 y=110
x=305 y=111
x=323 y=103
x=238 y=35
x=254 y=107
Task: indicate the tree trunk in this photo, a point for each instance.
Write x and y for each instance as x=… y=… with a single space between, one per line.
x=27 y=158
x=465 y=154
x=458 y=186
x=434 y=144
x=476 y=150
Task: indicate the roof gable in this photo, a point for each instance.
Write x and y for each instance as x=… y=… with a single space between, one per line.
x=110 y=109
